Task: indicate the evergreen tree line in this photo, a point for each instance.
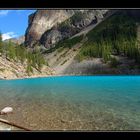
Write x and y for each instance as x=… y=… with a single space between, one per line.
x=66 y=43
x=18 y=53
x=117 y=35
x=69 y=43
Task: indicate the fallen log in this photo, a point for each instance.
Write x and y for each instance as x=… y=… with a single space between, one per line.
x=13 y=124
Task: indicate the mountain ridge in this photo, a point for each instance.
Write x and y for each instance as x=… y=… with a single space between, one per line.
x=80 y=42
x=60 y=24
x=20 y=40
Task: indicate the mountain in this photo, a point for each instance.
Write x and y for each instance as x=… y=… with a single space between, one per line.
x=41 y=21
x=66 y=40
x=19 y=40
x=47 y=27
x=75 y=42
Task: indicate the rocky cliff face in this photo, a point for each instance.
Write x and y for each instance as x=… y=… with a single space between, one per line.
x=43 y=20
x=47 y=27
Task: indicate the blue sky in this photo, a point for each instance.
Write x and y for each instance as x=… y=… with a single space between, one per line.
x=13 y=23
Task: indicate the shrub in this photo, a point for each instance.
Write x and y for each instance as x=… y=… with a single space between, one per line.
x=16 y=52
x=79 y=57
x=60 y=49
x=77 y=17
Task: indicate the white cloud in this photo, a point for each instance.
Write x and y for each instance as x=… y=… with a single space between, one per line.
x=4 y=12
x=8 y=35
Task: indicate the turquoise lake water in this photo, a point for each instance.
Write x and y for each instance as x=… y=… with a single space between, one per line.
x=73 y=102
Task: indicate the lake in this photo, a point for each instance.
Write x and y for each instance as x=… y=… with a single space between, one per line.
x=73 y=102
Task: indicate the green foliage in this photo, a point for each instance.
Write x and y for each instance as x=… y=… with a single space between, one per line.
x=38 y=59
x=116 y=35
x=91 y=50
x=64 y=26
x=102 y=50
x=11 y=51
x=0 y=37
x=29 y=69
x=35 y=59
x=19 y=53
x=77 y=17
x=2 y=69
x=60 y=49
x=67 y=43
x=79 y=57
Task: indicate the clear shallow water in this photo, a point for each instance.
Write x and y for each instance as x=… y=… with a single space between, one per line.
x=73 y=102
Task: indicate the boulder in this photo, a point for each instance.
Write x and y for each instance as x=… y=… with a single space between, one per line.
x=6 y=110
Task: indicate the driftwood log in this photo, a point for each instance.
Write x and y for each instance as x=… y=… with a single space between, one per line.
x=13 y=124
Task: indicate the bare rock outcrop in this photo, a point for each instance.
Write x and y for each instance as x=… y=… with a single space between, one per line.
x=17 y=70
x=47 y=27
x=43 y=20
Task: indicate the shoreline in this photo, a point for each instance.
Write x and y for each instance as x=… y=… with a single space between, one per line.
x=46 y=76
